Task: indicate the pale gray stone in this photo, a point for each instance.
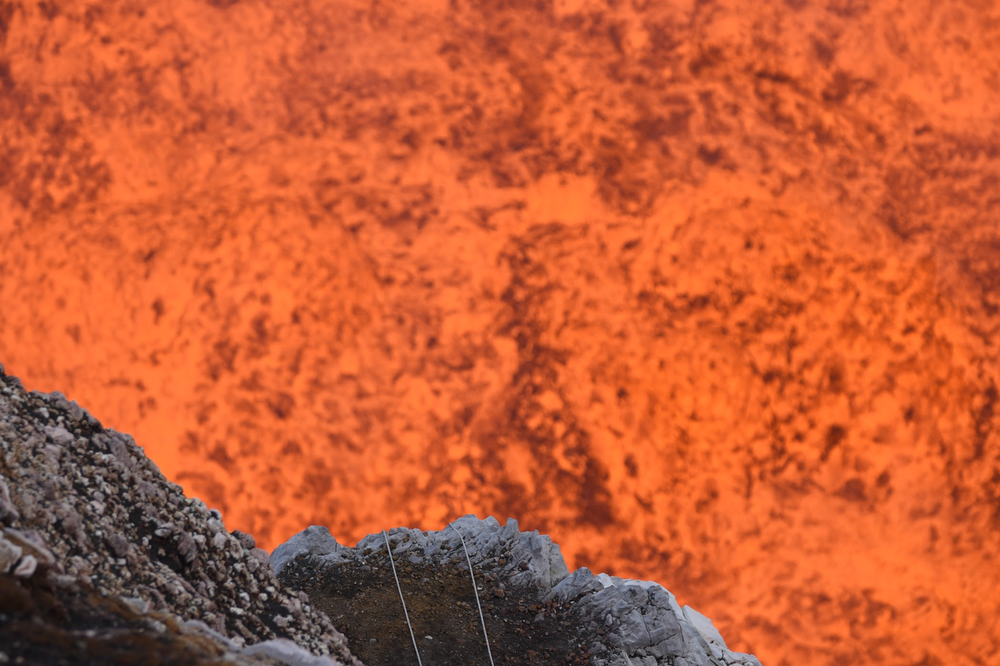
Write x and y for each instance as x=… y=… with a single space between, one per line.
x=578 y=583
x=32 y=544
x=10 y=553
x=314 y=541
x=26 y=567
x=631 y=634
x=58 y=435
x=287 y=652
x=703 y=625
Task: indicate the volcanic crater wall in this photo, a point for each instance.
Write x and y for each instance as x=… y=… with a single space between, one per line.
x=708 y=291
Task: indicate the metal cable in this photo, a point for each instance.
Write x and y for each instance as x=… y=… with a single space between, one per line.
x=473 y=576
x=405 y=614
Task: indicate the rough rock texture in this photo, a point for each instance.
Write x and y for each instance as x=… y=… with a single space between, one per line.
x=644 y=623
x=85 y=515
x=621 y=622
x=54 y=619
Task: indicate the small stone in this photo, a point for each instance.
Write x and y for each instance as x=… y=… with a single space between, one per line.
x=32 y=543
x=246 y=540
x=187 y=548
x=9 y=554
x=140 y=606
x=118 y=544
x=59 y=435
x=165 y=530
x=8 y=512
x=26 y=568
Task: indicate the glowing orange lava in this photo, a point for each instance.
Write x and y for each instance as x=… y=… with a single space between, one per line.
x=708 y=291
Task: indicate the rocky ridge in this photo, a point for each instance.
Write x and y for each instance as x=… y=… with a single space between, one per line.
x=102 y=560
x=620 y=622
x=98 y=550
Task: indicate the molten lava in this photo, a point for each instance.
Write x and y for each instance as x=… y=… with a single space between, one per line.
x=709 y=292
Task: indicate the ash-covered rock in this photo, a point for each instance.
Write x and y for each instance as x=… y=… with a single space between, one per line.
x=81 y=508
x=613 y=622
x=644 y=624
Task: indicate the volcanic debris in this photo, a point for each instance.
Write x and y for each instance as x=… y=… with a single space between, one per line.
x=102 y=560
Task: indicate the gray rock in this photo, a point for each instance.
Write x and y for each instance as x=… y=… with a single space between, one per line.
x=32 y=545
x=576 y=584
x=668 y=634
x=314 y=541
x=8 y=512
x=632 y=633
x=287 y=652
x=58 y=435
x=529 y=558
x=26 y=567
x=10 y=553
x=625 y=621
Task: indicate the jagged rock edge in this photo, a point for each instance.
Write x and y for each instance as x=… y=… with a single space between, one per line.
x=644 y=624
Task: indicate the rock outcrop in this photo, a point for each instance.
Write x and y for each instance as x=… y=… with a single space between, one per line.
x=603 y=620
x=103 y=560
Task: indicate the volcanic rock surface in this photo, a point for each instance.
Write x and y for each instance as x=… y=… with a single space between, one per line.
x=534 y=611
x=102 y=560
x=709 y=290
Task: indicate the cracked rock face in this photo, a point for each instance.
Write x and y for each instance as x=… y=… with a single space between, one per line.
x=620 y=622
x=81 y=508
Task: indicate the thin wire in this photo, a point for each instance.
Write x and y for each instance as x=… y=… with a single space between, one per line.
x=473 y=576
x=405 y=614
